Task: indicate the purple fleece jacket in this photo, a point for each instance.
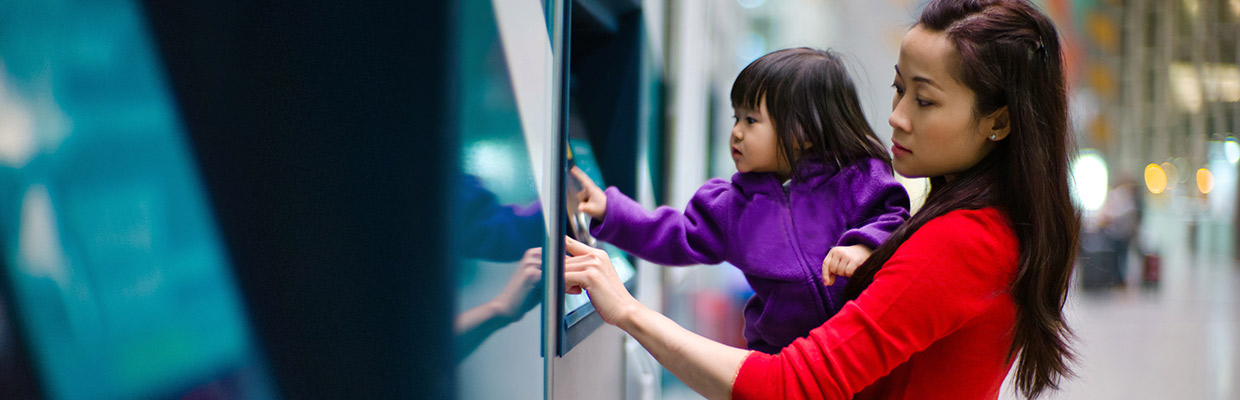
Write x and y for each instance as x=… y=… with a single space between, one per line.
x=777 y=238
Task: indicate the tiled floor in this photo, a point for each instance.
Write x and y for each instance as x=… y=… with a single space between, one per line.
x=1179 y=340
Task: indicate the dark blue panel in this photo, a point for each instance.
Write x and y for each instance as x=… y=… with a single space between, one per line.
x=323 y=131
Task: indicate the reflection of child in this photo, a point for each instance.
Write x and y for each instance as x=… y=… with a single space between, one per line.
x=814 y=188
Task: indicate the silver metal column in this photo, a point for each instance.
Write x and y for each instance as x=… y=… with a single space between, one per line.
x=553 y=197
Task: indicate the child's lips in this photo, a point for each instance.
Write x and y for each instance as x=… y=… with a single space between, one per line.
x=896 y=147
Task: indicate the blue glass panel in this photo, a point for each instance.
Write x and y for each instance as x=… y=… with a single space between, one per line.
x=498 y=220
x=117 y=269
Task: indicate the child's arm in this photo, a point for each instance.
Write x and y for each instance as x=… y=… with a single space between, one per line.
x=665 y=236
x=842 y=261
x=879 y=205
x=591 y=200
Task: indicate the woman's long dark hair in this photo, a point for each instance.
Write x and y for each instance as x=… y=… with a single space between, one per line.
x=811 y=99
x=1009 y=55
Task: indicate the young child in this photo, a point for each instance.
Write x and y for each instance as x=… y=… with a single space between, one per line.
x=814 y=188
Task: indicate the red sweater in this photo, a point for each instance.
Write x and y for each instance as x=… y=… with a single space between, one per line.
x=936 y=323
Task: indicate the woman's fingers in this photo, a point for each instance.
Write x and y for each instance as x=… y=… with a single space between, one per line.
x=572 y=246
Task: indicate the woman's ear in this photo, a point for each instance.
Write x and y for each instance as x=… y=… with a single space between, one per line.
x=997 y=125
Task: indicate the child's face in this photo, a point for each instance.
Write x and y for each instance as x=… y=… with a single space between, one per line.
x=755 y=147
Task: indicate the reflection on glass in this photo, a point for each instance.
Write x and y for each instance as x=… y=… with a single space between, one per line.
x=117 y=271
x=499 y=234
x=498 y=223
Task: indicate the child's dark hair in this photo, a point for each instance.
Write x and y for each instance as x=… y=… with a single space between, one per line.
x=811 y=99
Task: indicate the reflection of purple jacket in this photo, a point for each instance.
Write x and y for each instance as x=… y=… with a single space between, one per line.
x=777 y=238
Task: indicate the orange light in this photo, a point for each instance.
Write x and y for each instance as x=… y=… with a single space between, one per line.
x=1155 y=178
x=1173 y=174
x=1205 y=181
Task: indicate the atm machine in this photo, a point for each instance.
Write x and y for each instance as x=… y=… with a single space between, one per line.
x=252 y=199
x=540 y=102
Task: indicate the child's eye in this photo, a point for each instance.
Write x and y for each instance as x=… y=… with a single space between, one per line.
x=750 y=120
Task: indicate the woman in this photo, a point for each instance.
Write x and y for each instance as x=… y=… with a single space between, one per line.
x=974 y=282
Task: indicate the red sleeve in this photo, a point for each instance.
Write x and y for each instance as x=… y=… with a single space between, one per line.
x=948 y=272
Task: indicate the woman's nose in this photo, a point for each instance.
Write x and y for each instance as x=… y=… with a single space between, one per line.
x=898 y=120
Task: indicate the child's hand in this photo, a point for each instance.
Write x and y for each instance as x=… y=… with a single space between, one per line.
x=842 y=261
x=592 y=200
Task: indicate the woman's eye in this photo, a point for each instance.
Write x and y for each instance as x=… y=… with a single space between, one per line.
x=923 y=103
x=899 y=90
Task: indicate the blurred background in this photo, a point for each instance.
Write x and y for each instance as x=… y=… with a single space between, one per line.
x=253 y=200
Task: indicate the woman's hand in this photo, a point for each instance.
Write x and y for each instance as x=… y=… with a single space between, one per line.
x=842 y=261
x=590 y=269
x=515 y=300
x=707 y=366
x=591 y=199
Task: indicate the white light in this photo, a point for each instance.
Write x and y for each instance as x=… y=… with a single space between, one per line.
x=751 y=4
x=1193 y=84
x=495 y=164
x=1186 y=86
x=1231 y=150
x=17 y=135
x=39 y=252
x=1089 y=175
x=1222 y=82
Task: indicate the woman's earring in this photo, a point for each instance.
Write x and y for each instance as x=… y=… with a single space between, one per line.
x=993 y=138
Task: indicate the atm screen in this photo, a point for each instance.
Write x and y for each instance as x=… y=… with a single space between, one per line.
x=115 y=268
x=582 y=156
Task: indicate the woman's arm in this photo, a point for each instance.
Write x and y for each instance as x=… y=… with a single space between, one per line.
x=950 y=271
x=475 y=325
x=706 y=366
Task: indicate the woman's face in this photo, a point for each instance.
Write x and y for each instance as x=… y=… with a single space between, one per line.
x=934 y=129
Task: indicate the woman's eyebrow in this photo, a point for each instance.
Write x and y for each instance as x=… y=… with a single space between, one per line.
x=919 y=78
x=926 y=81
